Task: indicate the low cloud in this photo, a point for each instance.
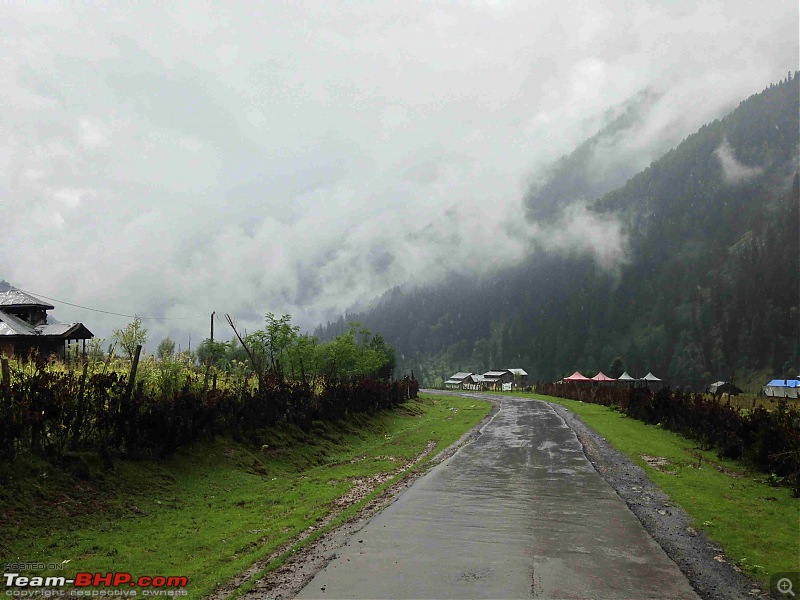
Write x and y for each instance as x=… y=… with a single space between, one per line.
x=579 y=230
x=733 y=171
x=175 y=160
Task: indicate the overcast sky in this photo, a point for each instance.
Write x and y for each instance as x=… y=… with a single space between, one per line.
x=301 y=158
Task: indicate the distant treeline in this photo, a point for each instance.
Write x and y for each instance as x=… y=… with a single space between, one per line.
x=768 y=440
x=709 y=284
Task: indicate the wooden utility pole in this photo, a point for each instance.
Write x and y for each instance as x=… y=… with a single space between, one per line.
x=212 y=325
x=132 y=376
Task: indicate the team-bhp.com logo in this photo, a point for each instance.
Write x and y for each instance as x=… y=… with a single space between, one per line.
x=93 y=584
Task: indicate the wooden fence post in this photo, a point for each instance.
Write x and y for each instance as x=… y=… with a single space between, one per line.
x=132 y=376
x=6 y=374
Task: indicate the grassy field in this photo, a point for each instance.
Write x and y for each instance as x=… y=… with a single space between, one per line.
x=756 y=523
x=214 y=508
x=752 y=400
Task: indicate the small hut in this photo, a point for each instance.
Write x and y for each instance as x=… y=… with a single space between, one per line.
x=520 y=377
x=496 y=378
x=457 y=380
x=473 y=382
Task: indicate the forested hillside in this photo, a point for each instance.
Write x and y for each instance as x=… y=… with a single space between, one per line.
x=709 y=284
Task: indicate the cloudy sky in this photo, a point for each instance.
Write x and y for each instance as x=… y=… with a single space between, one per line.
x=184 y=158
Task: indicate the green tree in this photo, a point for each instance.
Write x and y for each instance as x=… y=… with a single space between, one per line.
x=132 y=335
x=379 y=345
x=354 y=353
x=617 y=367
x=269 y=345
x=301 y=357
x=95 y=349
x=165 y=349
x=211 y=352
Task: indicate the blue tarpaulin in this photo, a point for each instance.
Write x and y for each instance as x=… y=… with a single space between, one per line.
x=791 y=383
x=782 y=388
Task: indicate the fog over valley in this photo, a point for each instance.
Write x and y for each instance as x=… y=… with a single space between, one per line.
x=190 y=158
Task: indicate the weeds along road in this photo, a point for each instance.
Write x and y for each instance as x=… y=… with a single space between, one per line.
x=518 y=513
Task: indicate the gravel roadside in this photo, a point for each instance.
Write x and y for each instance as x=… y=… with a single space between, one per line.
x=669 y=525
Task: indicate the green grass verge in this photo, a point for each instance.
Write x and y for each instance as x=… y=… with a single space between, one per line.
x=213 y=509
x=755 y=523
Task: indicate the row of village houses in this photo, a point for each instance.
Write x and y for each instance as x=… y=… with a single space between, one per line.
x=507 y=379
x=496 y=379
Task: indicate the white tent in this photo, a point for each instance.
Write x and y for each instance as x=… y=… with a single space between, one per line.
x=626 y=379
x=652 y=382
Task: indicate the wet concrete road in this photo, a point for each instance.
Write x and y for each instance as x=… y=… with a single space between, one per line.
x=519 y=513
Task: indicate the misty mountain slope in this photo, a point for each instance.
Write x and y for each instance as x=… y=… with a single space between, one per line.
x=708 y=284
x=598 y=165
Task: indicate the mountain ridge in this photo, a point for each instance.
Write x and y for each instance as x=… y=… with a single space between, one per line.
x=708 y=285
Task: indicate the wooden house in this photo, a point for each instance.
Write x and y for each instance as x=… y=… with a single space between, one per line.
x=496 y=378
x=457 y=380
x=25 y=327
x=520 y=377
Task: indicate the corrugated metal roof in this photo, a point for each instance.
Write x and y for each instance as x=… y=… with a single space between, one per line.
x=11 y=325
x=15 y=297
x=460 y=376
x=494 y=373
x=6 y=330
x=520 y=372
x=56 y=328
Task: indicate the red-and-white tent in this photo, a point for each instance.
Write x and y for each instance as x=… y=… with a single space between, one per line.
x=576 y=376
x=602 y=377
